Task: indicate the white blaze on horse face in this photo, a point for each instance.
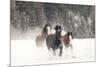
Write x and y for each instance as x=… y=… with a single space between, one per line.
x=59 y=30
x=70 y=38
x=49 y=30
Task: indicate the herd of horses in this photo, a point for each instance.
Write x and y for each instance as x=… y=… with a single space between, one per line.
x=54 y=40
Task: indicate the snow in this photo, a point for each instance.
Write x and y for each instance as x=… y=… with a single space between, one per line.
x=25 y=52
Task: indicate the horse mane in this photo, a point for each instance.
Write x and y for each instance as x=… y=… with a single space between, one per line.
x=44 y=30
x=69 y=33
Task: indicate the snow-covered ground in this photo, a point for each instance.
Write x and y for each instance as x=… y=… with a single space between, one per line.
x=25 y=52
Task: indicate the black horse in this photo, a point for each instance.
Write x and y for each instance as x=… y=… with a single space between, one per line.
x=54 y=40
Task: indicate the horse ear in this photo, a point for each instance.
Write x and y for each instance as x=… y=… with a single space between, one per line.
x=46 y=25
x=55 y=27
x=60 y=27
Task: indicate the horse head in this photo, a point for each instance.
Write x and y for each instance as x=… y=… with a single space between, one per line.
x=46 y=30
x=58 y=31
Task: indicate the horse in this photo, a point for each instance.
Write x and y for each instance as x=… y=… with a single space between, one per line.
x=67 y=40
x=53 y=41
x=40 y=39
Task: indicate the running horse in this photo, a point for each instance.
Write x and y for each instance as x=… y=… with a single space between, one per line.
x=40 y=39
x=53 y=41
x=67 y=41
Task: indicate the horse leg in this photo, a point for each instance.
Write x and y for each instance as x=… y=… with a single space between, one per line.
x=48 y=47
x=54 y=51
x=72 y=51
x=61 y=47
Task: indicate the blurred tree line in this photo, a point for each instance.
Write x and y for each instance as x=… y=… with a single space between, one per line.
x=79 y=19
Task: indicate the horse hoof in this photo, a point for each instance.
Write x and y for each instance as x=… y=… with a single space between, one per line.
x=60 y=55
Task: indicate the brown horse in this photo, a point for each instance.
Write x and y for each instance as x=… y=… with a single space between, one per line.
x=67 y=39
x=40 y=39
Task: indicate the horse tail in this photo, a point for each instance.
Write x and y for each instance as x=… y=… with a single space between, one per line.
x=39 y=41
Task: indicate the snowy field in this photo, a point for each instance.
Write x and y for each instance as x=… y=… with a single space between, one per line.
x=25 y=52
